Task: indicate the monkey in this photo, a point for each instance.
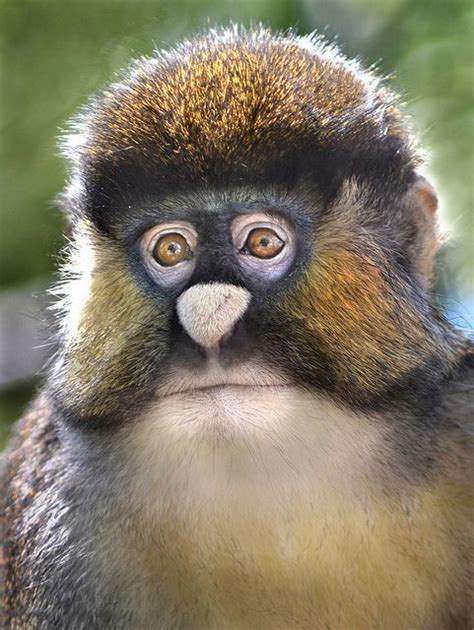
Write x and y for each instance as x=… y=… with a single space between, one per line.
x=258 y=415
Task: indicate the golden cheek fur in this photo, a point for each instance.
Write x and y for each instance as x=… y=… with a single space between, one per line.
x=374 y=335
x=106 y=314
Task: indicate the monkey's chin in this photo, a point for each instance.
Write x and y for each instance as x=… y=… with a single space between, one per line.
x=241 y=439
x=223 y=413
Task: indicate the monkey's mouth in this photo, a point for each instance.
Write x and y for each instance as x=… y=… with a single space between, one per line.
x=225 y=404
x=215 y=381
x=226 y=387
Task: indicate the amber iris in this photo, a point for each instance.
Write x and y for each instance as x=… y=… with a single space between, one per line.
x=263 y=243
x=171 y=249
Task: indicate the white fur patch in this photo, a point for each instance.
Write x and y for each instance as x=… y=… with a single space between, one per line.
x=208 y=311
x=73 y=291
x=240 y=441
x=237 y=483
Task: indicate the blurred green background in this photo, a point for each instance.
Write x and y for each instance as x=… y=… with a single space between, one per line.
x=54 y=53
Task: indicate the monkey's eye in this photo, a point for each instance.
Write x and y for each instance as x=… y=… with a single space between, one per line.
x=171 y=249
x=168 y=252
x=263 y=243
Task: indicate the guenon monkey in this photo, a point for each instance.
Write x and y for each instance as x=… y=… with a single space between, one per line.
x=257 y=415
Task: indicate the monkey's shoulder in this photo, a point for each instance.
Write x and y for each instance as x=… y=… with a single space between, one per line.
x=24 y=480
x=34 y=441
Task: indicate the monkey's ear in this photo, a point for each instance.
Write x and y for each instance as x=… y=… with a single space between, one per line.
x=422 y=205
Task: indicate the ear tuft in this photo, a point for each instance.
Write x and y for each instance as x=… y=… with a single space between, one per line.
x=422 y=203
x=426 y=196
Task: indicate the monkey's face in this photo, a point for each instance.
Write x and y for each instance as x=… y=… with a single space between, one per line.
x=248 y=229
x=186 y=303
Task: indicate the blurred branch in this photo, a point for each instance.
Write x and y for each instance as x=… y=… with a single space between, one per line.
x=24 y=346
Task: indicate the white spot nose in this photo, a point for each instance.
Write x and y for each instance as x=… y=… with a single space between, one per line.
x=208 y=311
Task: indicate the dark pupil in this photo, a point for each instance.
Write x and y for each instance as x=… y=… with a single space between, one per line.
x=264 y=241
x=174 y=248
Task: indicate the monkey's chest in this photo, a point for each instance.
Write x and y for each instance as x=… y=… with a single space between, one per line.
x=277 y=529
x=346 y=567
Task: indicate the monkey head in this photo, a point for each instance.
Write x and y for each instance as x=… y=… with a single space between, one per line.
x=247 y=221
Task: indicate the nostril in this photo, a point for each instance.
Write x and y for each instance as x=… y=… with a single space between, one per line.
x=226 y=336
x=209 y=312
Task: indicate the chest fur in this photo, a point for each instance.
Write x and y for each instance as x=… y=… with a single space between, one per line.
x=281 y=532
x=345 y=566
